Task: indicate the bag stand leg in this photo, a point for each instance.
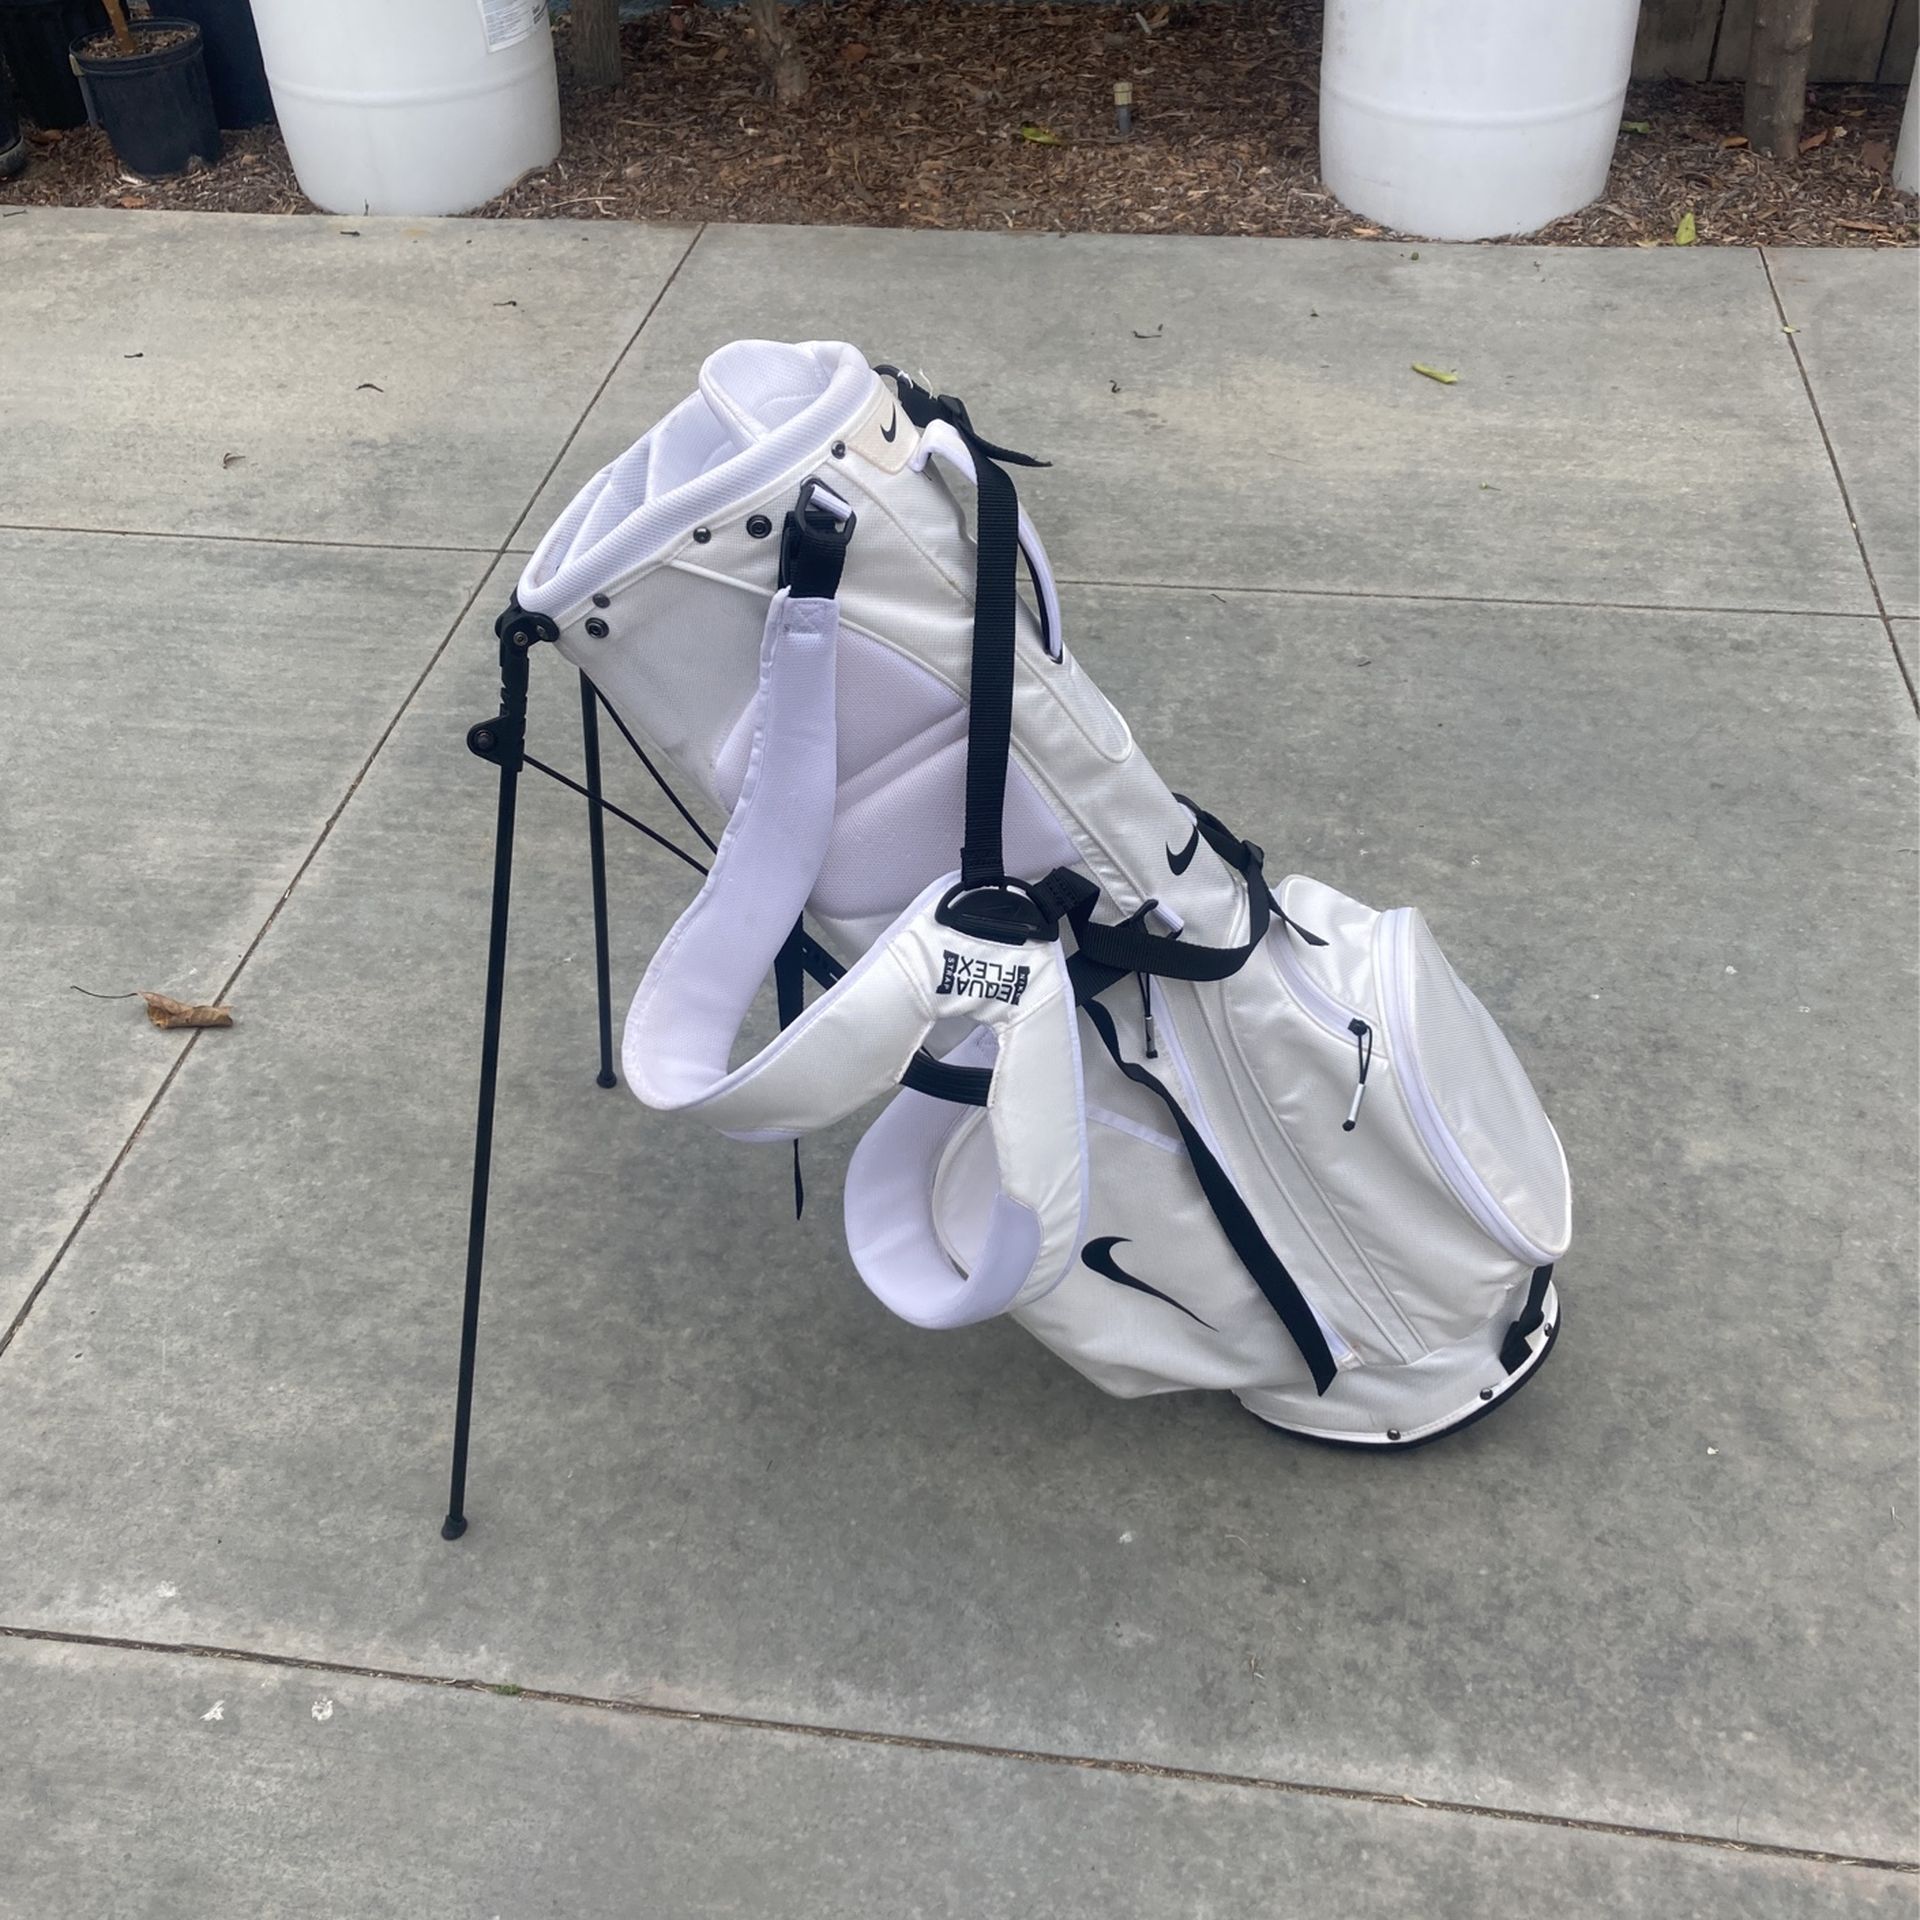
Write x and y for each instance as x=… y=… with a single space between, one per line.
x=502 y=741
x=597 y=858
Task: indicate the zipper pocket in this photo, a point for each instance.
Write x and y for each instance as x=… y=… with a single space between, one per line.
x=1460 y=1174
x=1315 y=1001
x=1328 y=1015
x=1344 y=1356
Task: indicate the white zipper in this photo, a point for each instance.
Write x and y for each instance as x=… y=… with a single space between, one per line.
x=1396 y=997
x=1340 y=1022
x=1320 y=1006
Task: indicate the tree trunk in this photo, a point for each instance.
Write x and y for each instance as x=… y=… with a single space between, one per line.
x=779 y=49
x=594 y=43
x=1777 y=76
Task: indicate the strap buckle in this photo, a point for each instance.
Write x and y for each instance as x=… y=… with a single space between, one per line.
x=813 y=543
x=1005 y=910
x=923 y=406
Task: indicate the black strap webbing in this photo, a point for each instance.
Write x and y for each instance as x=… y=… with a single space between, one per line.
x=964 y=1086
x=1514 y=1351
x=1267 y=1270
x=995 y=627
x=790 y=998
x=1127 y=946
x=990 y=683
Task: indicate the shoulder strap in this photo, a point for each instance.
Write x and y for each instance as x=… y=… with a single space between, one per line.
x=857 y=1039
x=995 y=626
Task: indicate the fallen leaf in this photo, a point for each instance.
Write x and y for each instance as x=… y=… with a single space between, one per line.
x=1365 y=233
x=1040 y=136
x=1819 y=139
x=1154 y=335
x=165 y=1011
x=348 y=233
x=1687 y=232
x=45 y=136
x=1636 y=126
x=1877 y=155
x=854 y=52
x=231 y=459
x=131 y=201
x=1445 y=378
x=133 y=356
x=1789 y=329
x=1864 y=226
x=1732 y=140
x=515 y=303
x=367 y=386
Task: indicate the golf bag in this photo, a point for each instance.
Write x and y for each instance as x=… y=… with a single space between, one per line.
x=1193 y=1126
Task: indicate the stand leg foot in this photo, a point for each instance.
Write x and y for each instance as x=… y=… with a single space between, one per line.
x=453 y=1526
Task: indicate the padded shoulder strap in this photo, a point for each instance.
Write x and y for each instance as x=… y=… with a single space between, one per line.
x=856 y=1040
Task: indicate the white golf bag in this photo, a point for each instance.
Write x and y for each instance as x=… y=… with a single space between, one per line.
x=1191 y=1125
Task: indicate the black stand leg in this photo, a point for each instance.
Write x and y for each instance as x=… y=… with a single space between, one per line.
x=597 y=855
x=503 y=741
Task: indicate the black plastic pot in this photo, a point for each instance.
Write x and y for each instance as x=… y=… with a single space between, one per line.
x=156 y=107
x=34 y=38
x=235 y=70
x=13 y=149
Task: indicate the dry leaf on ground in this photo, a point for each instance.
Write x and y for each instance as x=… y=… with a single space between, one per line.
x=165 y=1011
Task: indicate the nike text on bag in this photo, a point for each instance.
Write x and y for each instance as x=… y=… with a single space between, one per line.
x=1191 y=1124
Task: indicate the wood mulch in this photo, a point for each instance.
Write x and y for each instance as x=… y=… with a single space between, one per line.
x=950 y=113
x=146 y=39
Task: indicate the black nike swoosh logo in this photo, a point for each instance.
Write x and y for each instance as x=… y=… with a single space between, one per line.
x=1098 y=1254
x=1182 y=860
x=891 y=428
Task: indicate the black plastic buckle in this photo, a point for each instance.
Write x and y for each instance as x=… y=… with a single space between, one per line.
x=1006 y=910
x=813 y=544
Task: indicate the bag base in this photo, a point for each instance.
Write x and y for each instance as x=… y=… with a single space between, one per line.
x=1302 y=1416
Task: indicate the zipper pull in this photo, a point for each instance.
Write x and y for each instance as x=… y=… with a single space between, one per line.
x=1363 y=1047
x=1146 y=1014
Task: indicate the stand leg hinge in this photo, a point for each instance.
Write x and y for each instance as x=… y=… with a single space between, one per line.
x=500 y=740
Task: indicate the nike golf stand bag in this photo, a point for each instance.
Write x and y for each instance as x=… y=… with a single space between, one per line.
x=1191 y=1124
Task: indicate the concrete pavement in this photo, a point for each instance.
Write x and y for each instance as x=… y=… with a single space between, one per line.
x=1595 y=655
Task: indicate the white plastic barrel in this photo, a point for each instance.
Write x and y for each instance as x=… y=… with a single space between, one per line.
x=1463 y=119
x=1906 y=156
x=411 y=106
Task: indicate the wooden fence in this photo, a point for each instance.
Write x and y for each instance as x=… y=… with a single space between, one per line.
x=1707 y=39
